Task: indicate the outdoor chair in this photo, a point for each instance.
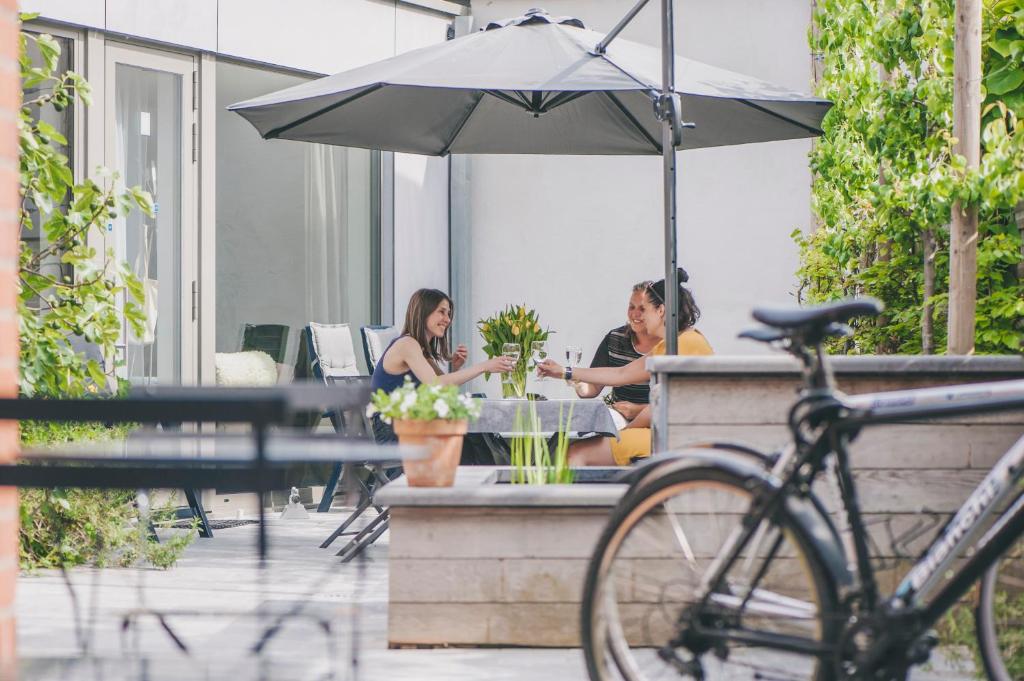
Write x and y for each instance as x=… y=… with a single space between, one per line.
x=333 y=360
x=269 y=338
x=375 y=341
x=331 y=351
x=331 y=355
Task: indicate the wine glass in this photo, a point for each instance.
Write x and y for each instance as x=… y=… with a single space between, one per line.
x=512 y=351
x=573 y=355
x=539 y=353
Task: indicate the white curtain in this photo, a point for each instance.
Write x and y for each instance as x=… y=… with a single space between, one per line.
x=133 y=240
x=325 y=231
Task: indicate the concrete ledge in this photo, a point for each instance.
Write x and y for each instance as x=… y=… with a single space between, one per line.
x=987 y=367
x=479 y=486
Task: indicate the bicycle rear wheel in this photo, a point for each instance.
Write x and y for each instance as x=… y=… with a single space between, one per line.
x=1000 y=616
x=640 y=619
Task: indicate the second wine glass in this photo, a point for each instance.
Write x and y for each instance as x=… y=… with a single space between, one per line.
x=539 y=353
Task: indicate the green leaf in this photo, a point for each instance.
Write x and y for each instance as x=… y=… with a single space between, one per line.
x=1005 y=80
x=96 y=374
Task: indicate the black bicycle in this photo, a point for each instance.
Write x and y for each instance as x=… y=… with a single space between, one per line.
x=724 y=562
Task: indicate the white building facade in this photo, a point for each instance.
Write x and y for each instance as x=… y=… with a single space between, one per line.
x=276 y=232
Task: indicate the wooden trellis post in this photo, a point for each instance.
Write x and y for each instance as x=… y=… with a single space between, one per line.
x=963 y=229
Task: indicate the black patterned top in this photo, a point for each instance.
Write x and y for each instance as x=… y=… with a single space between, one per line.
x=617 y=350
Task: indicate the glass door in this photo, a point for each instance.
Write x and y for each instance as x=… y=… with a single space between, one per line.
x=149 y=142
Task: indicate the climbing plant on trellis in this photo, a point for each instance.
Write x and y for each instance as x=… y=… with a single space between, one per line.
x=885 y=175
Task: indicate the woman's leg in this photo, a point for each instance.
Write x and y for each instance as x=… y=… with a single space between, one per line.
x=595 y=451
x=632 y=444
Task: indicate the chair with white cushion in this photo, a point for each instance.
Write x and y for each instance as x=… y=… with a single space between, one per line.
x=332 y=352
x=333 y=360
x=376 y=340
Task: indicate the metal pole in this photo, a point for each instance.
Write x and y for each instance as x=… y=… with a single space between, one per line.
x=668 y=154
x=603 y=45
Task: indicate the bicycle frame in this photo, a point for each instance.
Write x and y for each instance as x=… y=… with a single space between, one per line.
x=920 y=589
x=919 y=597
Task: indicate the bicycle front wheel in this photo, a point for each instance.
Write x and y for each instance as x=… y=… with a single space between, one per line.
x=644 y=616
x=1000 y=616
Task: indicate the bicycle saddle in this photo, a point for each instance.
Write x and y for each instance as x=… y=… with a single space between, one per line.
x=765 y=334
x=804 y=319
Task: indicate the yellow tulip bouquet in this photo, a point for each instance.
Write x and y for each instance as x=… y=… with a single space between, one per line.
x=515 y=324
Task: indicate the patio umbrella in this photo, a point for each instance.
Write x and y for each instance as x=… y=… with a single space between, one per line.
x=539 y=84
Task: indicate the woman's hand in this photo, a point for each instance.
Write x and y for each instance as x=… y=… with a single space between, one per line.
x=629 y=410
x=459 y=357
x=550 y=368
x=499 y=365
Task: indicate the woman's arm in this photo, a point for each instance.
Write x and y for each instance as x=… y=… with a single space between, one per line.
x=589 y=390
x=411 y=354
x=642 y=420
x=634 y=372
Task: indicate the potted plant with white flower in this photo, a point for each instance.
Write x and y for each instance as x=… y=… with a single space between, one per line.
x=434 y=416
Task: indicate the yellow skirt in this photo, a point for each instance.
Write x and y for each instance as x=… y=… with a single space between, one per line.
x=633 y=443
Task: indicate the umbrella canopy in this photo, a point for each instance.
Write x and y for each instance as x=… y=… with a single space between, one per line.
x=530 y=85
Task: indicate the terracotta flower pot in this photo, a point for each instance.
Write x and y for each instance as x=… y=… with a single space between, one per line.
x=443 y=439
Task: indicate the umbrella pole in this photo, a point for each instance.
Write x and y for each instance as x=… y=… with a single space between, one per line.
x=670 y=124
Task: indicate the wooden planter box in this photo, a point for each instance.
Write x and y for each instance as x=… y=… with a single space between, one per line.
x=489 y=564
x=910 y=476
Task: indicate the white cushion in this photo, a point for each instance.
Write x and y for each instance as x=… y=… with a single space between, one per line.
x=332 y=345
x=251 y=368
x=377 y=341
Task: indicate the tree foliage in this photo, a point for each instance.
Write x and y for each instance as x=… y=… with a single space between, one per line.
x=886 y=173
x=92 y=294
x=77 y=298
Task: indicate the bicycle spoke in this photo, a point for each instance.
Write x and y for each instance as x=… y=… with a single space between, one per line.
x=652 y=586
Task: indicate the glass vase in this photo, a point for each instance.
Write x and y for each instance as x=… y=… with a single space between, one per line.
x=514 y=385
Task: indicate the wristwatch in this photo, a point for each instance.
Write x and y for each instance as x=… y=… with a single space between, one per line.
x=567 y=375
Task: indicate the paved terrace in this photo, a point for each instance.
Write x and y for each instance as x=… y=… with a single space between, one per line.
x=220 y=576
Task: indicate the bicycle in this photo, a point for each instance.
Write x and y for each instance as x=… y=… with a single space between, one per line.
x=725 y=559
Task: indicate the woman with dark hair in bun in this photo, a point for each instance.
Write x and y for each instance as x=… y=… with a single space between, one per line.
x=635 y=439
x=619 y=347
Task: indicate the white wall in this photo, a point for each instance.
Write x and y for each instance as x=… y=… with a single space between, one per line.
x=421 y=190
x=324 y=36
x=570 y=235
x=321 y=36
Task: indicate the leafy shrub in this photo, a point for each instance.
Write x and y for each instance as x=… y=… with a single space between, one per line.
x=69 y=527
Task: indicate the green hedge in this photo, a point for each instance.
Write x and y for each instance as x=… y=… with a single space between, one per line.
x=69 y=527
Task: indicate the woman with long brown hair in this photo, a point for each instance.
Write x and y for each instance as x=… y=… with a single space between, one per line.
x=423 y=348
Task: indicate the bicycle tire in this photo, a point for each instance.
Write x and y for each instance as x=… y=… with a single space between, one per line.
x=628 y=515
x=1002 y=593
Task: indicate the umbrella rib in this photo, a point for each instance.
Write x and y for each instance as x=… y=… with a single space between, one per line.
x=762 y=109
x=462 y=124
x=561 y=98
x=632 y=119
x=498 y=94
x=330 y=107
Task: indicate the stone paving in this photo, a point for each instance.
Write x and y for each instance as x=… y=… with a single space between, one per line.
x=211 y=599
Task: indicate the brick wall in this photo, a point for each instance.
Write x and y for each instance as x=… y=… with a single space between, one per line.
x=10 y=96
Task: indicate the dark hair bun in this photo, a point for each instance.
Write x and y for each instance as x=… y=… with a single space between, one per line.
x=683 y=276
